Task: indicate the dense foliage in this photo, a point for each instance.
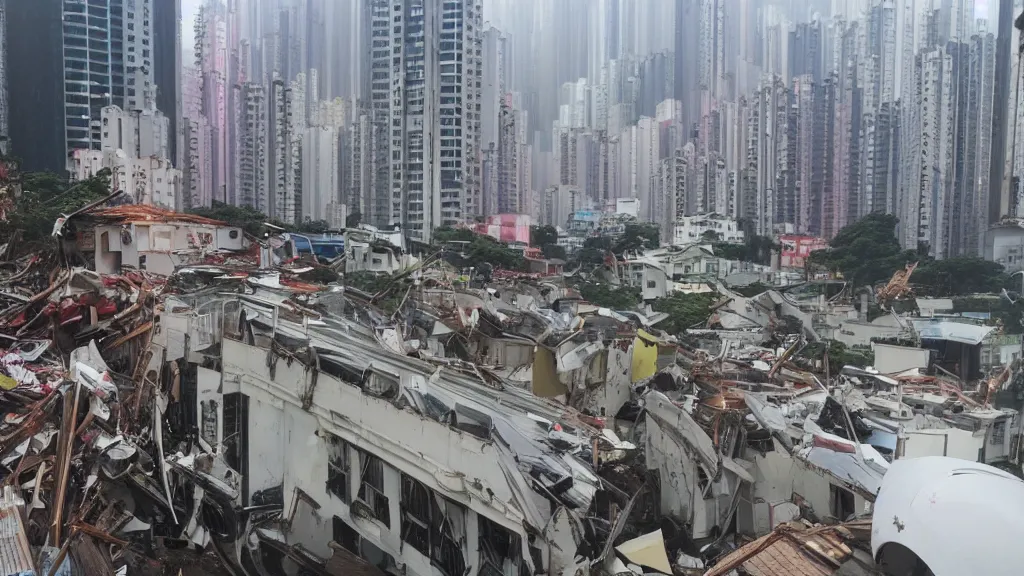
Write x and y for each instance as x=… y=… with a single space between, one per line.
x=252 y=220
x=541 y=236
x=756 y=249
x=247 y=218
x=750 y=290
x=312 y=227
x=1004 y=312
x=487 y=250
x=546 y=238
x=958 y=277
x=481 y=252
x=867 y=253
x=684 y=310
x=448 y=234
x=839 y=355
x=638 y=236
x=594 y=251
x=389 y=292
x=635 y=237
x=45 y=197
x=608 y=296
x=554 y=251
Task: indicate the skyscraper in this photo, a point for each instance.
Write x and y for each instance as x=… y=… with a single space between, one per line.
x=167 y=70
x=78 y=56
x=426 y=103
x=4 y=102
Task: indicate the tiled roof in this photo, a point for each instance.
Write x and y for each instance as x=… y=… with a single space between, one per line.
x=146 y=213
x=788 y=551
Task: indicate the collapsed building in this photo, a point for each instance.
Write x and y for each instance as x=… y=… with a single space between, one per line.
x=168 y=379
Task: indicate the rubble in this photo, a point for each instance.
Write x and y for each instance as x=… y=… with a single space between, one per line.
x=794 y=549
x=169 y=381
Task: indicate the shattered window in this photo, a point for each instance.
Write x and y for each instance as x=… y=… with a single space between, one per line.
x=500 y=549
x=345 y=535
x=371 y=488
x=382 y=385
x=337 y=469
x=841 y=503
x=447 y=532
x=416 y=515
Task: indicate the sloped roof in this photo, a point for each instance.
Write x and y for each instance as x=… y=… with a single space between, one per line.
x=788 y=551
x=130 y=213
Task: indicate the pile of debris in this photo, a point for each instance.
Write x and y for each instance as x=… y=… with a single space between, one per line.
x=98 y=470
x=167 y=379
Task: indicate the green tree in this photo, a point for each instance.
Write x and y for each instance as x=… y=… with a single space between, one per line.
x=710 y=236
x=594 y=251
x=684 y=310
x=839 y=355
x=245 y=217
x=543 y=235
x=45 y=197
x=730 y=251
x=756 y=249
x=958 y=276
x=1003 y=312
x=485 y=249
x=865 y=252
x=313 y=227
x=751 y=290
x=353 y=219
x=553 y=251
x=638 y=236
x=608 y=296
x=449 y=234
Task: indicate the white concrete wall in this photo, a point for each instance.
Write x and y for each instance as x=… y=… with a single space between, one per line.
x=1005 y=245
x=891 y=359
x=689 y=229
x=288 y=446
x=609 y=398
x=777 y=477
x=951 y=442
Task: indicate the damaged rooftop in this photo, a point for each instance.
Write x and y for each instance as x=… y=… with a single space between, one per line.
x=233 y=397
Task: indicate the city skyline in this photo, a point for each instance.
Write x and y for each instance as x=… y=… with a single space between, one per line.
x=796 y=116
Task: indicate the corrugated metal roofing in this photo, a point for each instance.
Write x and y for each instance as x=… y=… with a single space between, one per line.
x=952 y=331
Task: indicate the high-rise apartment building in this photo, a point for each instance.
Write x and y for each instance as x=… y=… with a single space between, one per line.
x=211 y=52
x=283 y=153
x=78 y=56
x=4 y=102
x=167 y=71
x=426 y=99
x=927 y=154
x=252 y=152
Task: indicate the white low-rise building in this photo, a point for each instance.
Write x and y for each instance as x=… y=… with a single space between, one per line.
x=375 y=454
x=1004 y=244
x=691 y=229
x=155 y=240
